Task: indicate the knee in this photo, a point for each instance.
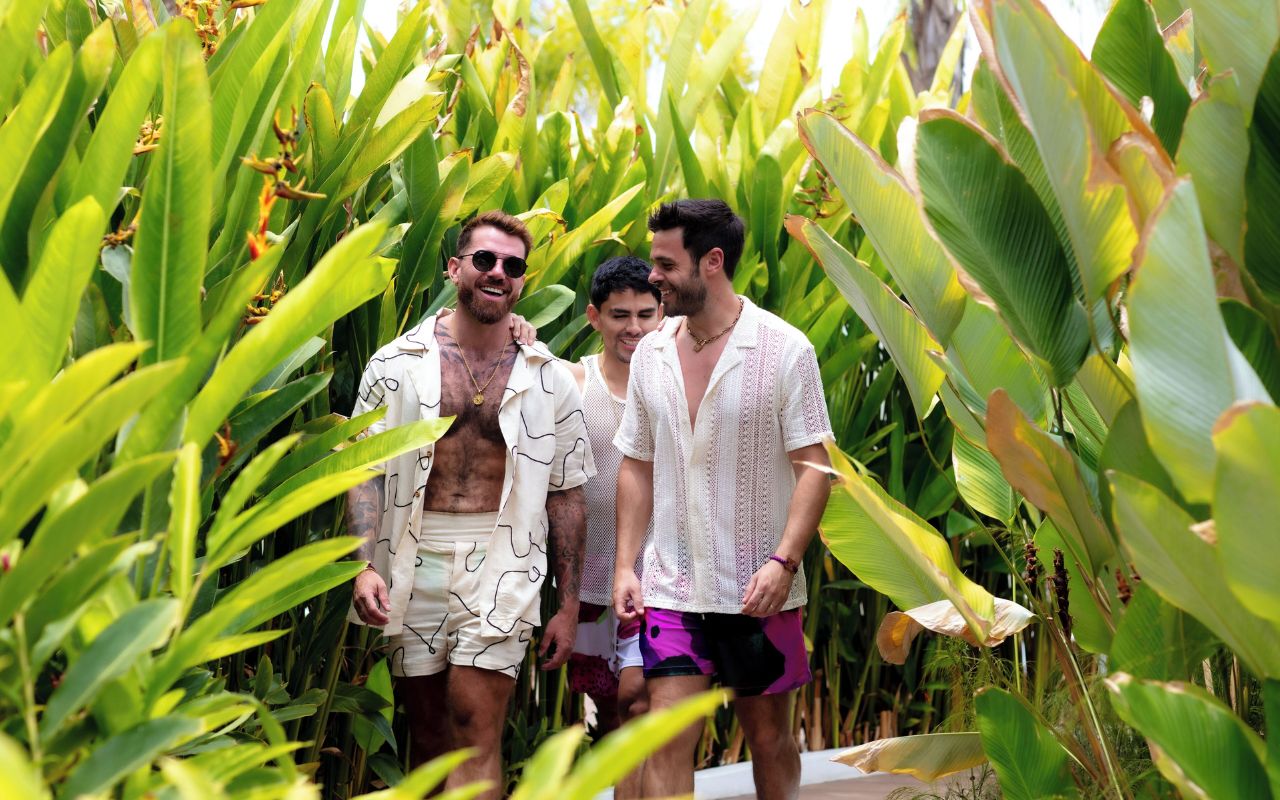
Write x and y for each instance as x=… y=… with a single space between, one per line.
x=471 y=727
x=772 y=744
x=632 y=704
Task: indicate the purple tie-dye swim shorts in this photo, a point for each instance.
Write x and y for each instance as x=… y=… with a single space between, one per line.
x=750 y=655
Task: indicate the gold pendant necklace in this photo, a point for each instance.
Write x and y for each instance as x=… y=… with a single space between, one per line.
x=699 y=343
x=478 y=398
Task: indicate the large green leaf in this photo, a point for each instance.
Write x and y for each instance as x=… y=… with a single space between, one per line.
x=184 y=519
x=278 y=509
x=979 y=480
x=1186 y=369
x=239 y=80
x=926 y=757
x=1074 y=117
x=1246 y=506
x=86 y=520
x=1197 y=742
x=1156 y=640
x=895 y=552
x=53 y=404
x=387 y=143
x=1029 y=760
x=93 y=63
x=17 y=41
x=172 y=240
x=26 y=124
x=1172 y=558
x=1130 y=51
x=888 y=212
x=277 y=587
x=344 y=278
x=992 y=223
x=1262 y=186
x=52 y=298
x=893 y=322
x=387 y=71
x=550 y=265
x=70 y=446
x=1237 y=35
x=1049 y=477
x=109 y=152
x=601 y=58
x=545 y=305
x=160 y=418
x=113 y=652
x=125 y=752
x=1252 y=334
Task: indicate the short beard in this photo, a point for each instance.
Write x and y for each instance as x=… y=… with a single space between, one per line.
x=687 y=300
x=484 y=313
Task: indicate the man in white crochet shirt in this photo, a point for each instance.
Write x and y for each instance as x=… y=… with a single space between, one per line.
x=724 y=409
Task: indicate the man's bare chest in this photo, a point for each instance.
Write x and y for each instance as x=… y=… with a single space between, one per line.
x=473 y=400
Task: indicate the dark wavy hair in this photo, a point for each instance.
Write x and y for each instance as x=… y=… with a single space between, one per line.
x=707 y=224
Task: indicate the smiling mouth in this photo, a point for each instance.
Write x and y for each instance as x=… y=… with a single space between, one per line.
x=492 y=291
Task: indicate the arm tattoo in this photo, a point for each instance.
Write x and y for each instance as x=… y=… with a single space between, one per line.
x=567 y=517
x=364 y=514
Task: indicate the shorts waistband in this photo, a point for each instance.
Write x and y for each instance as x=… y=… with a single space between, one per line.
x=444 y=526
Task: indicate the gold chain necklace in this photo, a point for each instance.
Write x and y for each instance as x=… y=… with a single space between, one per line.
x=699 y=343
x=478 y=397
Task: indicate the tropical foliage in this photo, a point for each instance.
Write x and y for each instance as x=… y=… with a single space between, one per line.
x=205 y=233
x=1078 y=278
x=1046 y=316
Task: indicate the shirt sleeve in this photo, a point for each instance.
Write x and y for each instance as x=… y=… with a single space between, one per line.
x=804 y=406
x=372 y=395
x=573 y=463
x=634 y=438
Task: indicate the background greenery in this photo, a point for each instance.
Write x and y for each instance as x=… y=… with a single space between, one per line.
x=205 y=235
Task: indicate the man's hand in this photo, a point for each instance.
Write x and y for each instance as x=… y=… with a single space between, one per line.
x=522 y=331
x=370 y=599
x=560 y=633
x=767 y=591
x=627 y=602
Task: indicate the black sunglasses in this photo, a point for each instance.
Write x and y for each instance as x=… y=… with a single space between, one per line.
x=483 y=260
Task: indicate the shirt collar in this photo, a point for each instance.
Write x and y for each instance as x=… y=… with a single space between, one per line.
x=422 y=337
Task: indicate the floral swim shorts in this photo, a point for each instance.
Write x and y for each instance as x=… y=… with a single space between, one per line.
x=750 y=655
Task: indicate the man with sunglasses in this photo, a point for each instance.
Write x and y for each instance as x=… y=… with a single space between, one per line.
x=457 y=535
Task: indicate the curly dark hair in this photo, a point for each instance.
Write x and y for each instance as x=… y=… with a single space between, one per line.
x=619 y=274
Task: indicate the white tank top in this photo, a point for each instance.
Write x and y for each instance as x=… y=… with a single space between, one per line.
x=603 y=413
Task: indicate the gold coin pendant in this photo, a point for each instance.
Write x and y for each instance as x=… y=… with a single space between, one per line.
x=478 y=399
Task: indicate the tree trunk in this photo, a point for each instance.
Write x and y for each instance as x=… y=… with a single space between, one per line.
x=931 y=23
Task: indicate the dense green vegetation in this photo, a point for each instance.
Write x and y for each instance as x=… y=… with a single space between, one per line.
x=205 y=233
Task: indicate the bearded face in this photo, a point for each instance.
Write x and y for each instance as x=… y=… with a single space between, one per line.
x=676 y=275
x=488 y=295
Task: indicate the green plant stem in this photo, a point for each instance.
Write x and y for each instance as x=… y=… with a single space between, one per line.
x=28 y=688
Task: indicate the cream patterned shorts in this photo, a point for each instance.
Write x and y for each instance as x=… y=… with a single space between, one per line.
x=440 y=625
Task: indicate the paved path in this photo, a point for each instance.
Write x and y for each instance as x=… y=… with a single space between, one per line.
x=821 y=778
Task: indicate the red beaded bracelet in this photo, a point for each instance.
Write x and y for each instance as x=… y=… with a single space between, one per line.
x=787 y=564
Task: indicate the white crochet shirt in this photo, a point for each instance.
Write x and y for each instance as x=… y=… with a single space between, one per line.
x=721 y=490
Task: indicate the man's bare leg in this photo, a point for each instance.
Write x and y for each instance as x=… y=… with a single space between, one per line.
x=775 y=757
x=633 y=700
x=476 y=703
x=423 y=699
x=669 y=771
